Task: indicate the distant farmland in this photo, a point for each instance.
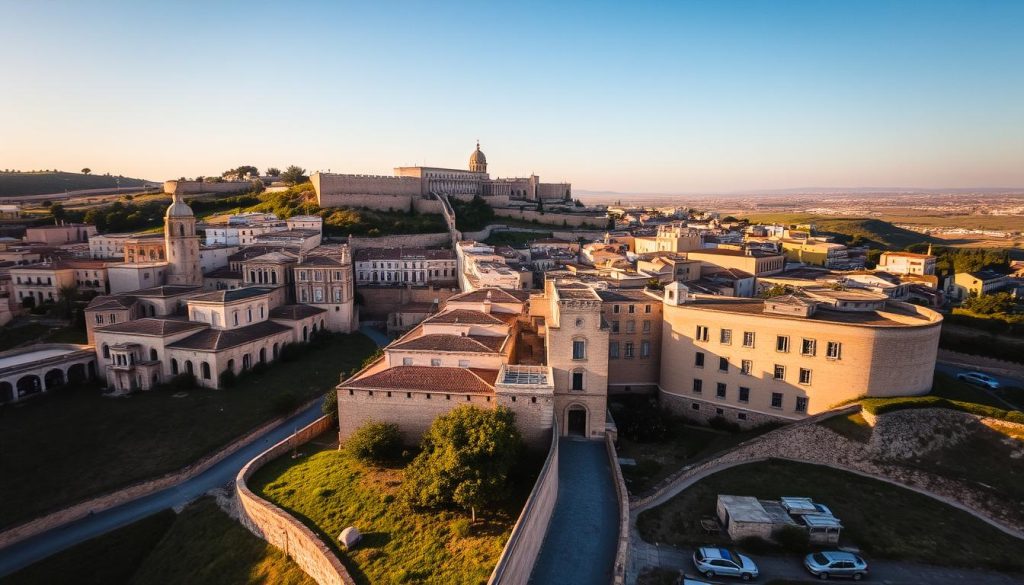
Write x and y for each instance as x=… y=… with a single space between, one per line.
x=18 y=184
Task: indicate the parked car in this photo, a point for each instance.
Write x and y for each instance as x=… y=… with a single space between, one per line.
x=712 y=561
x=979 y=379
x=833 y=563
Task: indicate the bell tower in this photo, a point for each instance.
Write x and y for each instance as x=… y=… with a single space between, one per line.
x=182 y=244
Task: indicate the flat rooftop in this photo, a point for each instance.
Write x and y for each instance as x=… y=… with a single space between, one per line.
x=894 y=314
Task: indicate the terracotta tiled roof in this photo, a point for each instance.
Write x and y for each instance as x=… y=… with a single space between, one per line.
x=152 y=326
x=224 y=272
x=295 y=312
x=498 y=295
x=216 y=339
x=430 y=379
x=465 y=316
x=168 y=290
x=451 y=342
x=226 y=296
x=107 y=302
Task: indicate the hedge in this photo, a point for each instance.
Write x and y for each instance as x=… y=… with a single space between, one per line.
x=878 y=406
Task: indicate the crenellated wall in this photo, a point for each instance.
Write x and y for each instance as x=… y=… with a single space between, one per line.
x=280 y=528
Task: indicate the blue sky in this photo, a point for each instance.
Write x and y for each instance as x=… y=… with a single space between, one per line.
x=712 y=96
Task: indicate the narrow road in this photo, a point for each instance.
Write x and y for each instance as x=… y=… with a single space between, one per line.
x=579 y=547
x=38 y=547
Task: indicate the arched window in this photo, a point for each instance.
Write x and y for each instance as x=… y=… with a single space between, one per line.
x=206 y=371
x=261 y=311
x=153 y=355
x=174 y=367
x=250 y=314
x=231 y=366
x=188 y=368
x=321 y=324
x=246 y=362
x=235 y=315
x=181 y=229
x=273 y=277
x=263 y=355
x=305 y=333
x=106 y=352
x=275 y=351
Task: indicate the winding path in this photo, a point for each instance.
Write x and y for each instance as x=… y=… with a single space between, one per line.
x=30 y=550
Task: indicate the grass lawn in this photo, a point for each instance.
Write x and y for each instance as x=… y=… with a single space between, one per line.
x=13 y=336
x=201 y=546
x=329 y=491
x=885 y=521
x=685 y=445
x=67 y=446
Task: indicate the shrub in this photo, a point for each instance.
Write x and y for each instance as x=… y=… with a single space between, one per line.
x=461 y=527
x=794 y=539
x=878 y=406
x=228 y=379
x=329 y=407
x=183 y=381
x=375 y=442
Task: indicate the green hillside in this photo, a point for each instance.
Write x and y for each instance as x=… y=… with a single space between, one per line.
x=16 y=184
x=876 y=232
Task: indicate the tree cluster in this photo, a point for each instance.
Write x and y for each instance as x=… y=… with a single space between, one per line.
x=474 y=215
x=991 y=304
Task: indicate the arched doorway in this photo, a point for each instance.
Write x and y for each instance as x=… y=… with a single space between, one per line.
x=29 y=385
x=54 y=379
x=576 y=424
x=76 y=374
x=6 y=392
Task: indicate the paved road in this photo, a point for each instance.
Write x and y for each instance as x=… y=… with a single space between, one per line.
x=886 y=572
x=953 y=370
x=579 y=547
x=223 y=473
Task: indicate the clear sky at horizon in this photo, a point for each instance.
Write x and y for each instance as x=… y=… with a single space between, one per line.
x=709 y=96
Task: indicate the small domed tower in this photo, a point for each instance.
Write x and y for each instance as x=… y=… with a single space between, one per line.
x=182 y=244
x=477 y=160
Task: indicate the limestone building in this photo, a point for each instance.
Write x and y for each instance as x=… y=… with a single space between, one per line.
x=182 y=244
x=405 y=266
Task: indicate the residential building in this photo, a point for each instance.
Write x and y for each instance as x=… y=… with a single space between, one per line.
x=399 y=266
x=907 y=263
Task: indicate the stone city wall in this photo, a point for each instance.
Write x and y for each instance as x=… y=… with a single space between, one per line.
x=520 y=552
x=401 y=241
x=133 y=492
x=195 y=187
x=413 y=411
x=622 y=549
x=280 y=528
x=327 y=184
x=554 y=219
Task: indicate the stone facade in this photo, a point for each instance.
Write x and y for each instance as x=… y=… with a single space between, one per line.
x=182 y=244
x=634 y=346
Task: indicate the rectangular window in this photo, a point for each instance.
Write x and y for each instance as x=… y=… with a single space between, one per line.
x=723 y=364
x=780 y=372
x=741 y=416
x=632 y=309
x=406 y=361
x=647 y=326
x=627 y=350
x=99 y=319
x=805 y=376
x=801 y=404
x=645 y=349
x=698 y=386
x=726 y=336
x=630 y=326
x=435 y=362
x=808 y=347
x=782 y=343
x=720 y=390
x=702 y=333
x=776 y=399
x=615 y=326
x=698 y=359
x=746 y=366
x=463 y=363
x=613 y=350
x=615 y=309
x=577 y=380
x=834 y=350
x=579 y=349
x=744 y=394
x=748 y=339
x=647 y=308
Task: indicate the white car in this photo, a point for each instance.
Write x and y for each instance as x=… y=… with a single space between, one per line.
x=979 y=379
x=713 y=561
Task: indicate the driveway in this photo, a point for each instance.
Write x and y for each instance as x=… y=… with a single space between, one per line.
x=579 y=547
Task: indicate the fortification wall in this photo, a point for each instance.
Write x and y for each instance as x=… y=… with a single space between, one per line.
x=554 y=219
x=280 y=528
x=195 y=187
x=331 y=184
x=401 y=241
x=622 y=548
x=520 y=552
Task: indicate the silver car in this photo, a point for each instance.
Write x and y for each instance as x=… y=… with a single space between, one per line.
x=979 y=379
x=833 y=563
x=713 y=561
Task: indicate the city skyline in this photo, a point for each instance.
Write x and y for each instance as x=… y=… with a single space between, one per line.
x=698 y=97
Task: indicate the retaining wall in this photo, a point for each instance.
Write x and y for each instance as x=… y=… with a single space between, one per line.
x=566 y=219
x=194 y=187
x=133 y=492
x=280 y=528
x=401 y=241
x=622 y=550
x=520 y=553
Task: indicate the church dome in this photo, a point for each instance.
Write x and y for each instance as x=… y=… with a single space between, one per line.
x=178 y=208
x=477 y=160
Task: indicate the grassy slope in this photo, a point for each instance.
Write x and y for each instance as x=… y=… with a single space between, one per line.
x=990 y=222
x=91 y=444
x=884 y=520
x=330 y=491
x=882 y=233
x=201 y=546
x=205 y=546
x=13 y=184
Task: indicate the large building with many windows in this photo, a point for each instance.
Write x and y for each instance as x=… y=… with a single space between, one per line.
x=416 y=266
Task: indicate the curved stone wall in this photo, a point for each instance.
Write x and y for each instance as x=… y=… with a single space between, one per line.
x=280 y=528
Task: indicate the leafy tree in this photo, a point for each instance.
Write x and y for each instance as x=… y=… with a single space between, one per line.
x=86 y=171
x=274 y=171
x=58 y=212
x=375 y=442
x=293 y=175
x=65 y=305
x=241 y=172
x=991 y=304
x=775 y=291
x=329 y=407
x=466 y=459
